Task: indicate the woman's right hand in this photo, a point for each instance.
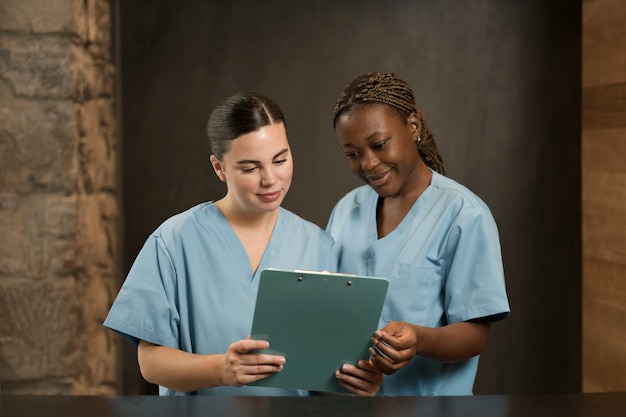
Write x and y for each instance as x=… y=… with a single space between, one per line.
x=242 y=365
x=185 y=372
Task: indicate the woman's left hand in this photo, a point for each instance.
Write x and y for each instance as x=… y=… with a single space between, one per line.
x=362 y=380
x=394 y=346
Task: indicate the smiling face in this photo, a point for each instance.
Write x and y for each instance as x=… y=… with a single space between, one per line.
x=257 y=169
x=381 y=147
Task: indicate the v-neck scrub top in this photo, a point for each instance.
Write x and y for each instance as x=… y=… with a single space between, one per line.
x=191 y=286
x=444 y=265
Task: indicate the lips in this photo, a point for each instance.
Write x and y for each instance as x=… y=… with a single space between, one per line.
x=377 y=179
x=270 y=197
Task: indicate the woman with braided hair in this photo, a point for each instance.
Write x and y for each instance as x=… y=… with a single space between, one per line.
x=434 y=239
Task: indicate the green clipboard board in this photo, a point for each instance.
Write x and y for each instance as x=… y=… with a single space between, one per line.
x=318 y=321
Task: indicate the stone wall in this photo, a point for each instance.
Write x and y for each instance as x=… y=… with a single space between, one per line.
x=59 y=199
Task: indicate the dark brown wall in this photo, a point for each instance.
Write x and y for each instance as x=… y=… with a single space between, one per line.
x=498 y=81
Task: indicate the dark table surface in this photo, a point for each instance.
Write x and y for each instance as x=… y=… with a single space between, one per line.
x=554 y=405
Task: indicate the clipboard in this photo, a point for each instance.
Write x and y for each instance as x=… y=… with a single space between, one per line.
x=318 y=321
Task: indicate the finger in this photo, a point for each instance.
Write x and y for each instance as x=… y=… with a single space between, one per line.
x=367 y=366
x=347 y=386
x=247 y=345
x=393 y=352
x=395 y=340
x=257 y=359
x=388 y=351
x=245 y=379
x=393 y=328
x=264 y=369
x=359 y=391
x=265 y=359
x=383 y=363
x=364 y=370
x=245 y=374
x=359 y=381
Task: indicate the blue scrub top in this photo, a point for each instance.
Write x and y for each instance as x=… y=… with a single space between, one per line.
x=444 y=265
x=192 y=287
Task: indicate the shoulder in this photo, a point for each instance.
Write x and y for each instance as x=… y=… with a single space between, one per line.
x=187 y=221
x=360 y=196
x=297 y=224
x=464 y=209
x=457 y=194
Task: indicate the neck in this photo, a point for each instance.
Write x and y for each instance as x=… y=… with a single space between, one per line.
x=390 y=211
x=246 y=218
x=414 y=188
x=253 y=229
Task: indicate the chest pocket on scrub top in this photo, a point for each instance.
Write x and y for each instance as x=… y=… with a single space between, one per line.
x=412 y=290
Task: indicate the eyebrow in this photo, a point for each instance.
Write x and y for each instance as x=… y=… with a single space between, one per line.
x=252 y=161
x=367 y=139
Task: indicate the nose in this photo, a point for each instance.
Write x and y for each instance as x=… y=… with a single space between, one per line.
x=268 y=177
x=369 y=160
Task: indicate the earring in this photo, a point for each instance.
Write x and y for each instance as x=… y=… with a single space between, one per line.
x=419 y=139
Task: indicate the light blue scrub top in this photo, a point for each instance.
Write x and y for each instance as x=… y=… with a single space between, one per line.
x=444 y=265
x=192 y=287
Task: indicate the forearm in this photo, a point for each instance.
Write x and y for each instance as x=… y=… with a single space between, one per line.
x=454 y=342
x=178 y=370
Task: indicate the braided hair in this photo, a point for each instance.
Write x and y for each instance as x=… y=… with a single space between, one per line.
x=386 y=88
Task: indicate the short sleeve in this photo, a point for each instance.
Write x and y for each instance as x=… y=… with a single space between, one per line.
x=474 y=284
x=146 y=307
